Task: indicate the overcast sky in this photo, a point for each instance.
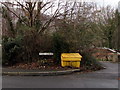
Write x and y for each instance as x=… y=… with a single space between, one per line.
x=113 y=3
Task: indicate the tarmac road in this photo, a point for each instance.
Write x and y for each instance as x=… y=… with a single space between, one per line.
x=107 y=78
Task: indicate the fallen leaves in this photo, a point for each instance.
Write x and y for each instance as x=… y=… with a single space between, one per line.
x=48 y=66
x=37 y=66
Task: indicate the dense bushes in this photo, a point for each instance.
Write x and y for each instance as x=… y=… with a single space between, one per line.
x=25 y=47
x=11 y=50
x=59 y=46
x=27 y=44
x=88 y=61
x=33 y=43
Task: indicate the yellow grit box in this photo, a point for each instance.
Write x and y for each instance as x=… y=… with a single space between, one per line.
x=70 y=59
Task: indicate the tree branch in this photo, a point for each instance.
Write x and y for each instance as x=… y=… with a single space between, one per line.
x=47 y=23
x=14 y=13
x=48 y=8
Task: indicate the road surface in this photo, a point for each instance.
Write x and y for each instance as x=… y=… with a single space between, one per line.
x=107 y=78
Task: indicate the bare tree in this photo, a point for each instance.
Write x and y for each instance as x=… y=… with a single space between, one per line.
x=33 y=12
x=76 y=21
x=107 y=24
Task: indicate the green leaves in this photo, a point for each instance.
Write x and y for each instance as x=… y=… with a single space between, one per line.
x=59 y=46
x=11 y=50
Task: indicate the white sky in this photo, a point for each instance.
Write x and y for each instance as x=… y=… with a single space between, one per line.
x=113 y=3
